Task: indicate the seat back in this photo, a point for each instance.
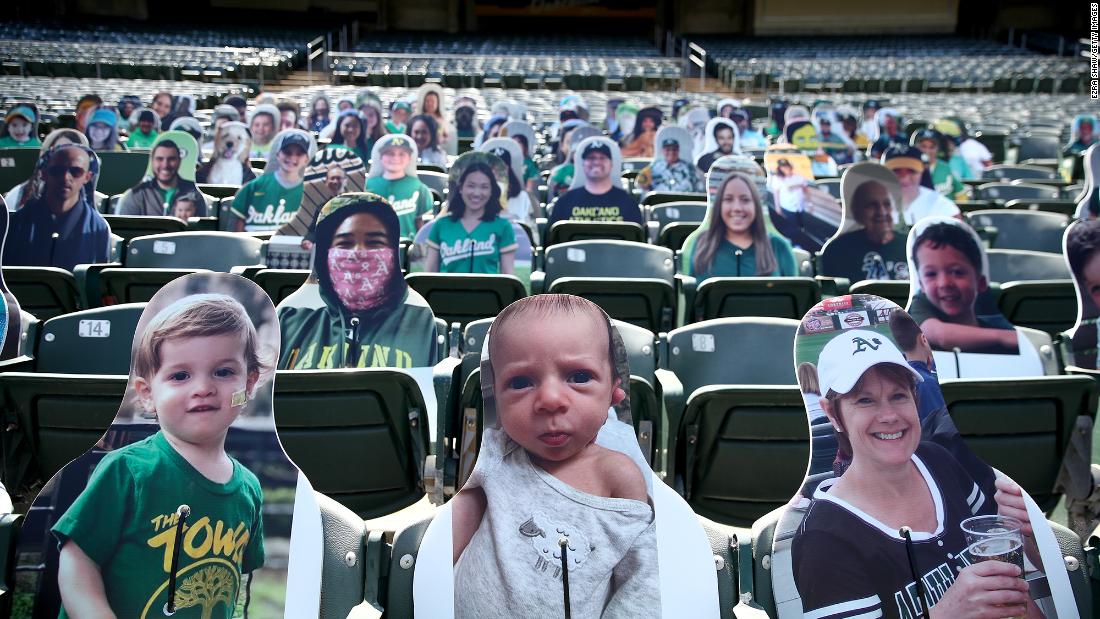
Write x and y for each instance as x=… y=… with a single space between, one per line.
x=660 y=197
x=95 y=341
x=619 y=259
x=672 y=212
x=713 y=352
x=778 y=297
x=367 y=449
x=1021 y=426
x=727 y=437
x=1010 y=265
x=43 y=291
x=217 y=251
x=894 y=290
x=463 y=297
x=1003 y=192
x=60 y=416
x=136 y=285
x=568 y=230
x=1020 y=229
x=1049 y=306
x=130 y=226
x=280 y=283
x=1042 y=147
x=1008 y=173
x=121 y=170
x=16 y=166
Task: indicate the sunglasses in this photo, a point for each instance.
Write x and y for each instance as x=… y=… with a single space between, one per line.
x=74 y=171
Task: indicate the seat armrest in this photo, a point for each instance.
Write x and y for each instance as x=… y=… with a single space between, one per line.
x=87 y=282
x=673 y=401
x=833 y=286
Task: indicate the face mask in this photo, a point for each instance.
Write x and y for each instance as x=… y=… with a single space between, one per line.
x=359 y=276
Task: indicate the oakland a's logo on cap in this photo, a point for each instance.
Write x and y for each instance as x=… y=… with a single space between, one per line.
x=864 y=345
x=499 y=152
x=398 y=141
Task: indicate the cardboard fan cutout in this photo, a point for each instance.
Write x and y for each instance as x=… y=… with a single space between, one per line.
x=1088 y=202
x=867 y=245
x=561 y=513
x=1081 y=247
x=803 y=135
x=10 y=318
x=479 y=250
x=65 y=181
x=331 y=172
x=177 y=148
x=187 y=506
x=725 y=258
x=896 y=515
x=679 y=175
x=806 y=214
x=950 y=299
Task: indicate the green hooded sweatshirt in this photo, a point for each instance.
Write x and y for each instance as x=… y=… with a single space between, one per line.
x=324 y=334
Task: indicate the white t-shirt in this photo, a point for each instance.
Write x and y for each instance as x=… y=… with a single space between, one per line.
x=928 y=202
x=789 y=191
x=974 y=152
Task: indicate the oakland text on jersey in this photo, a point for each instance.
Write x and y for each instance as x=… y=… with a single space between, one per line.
x=406 y=206
x=463 y=249
x=597 y=213
x=331 y=357
x=271 y=215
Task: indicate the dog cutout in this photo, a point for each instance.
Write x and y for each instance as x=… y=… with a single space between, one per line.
x=228 y=164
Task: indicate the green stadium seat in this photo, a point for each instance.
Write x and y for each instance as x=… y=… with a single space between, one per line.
x=367 y=450
x=121 y=170
x=43 y=291
x=1066 y=208
x=154 y=260
x=654 y=198
x=568 y=230
x=1049 y=306
x=280 y=283
x=633 y=282
x=727 y=436
x=1022 y=426
x=16 y=166
x=130 y=226
x=777 y=297
x=58 y=417
x=712 y=353
x=1018 y=229
x=1009 y=265
x=219 y=191
x=463 y=297
x=675 y=234
x=1007 y=173
x=136 y=285
x=93 y=341
x=893 y=290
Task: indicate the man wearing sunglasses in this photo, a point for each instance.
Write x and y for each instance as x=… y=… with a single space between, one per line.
x=60 y=227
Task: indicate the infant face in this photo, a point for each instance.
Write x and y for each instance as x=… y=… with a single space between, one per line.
x=553 y=381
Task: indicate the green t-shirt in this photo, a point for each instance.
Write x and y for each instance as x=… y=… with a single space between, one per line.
x=476 y=251
x=562 y=175
x=365 y=156
x=9 y=142
x=264 y=204
x=125 y=521
x=140 y=139
x=530 y=170
x=944 y=180
x=409 y=197
x=728 y=264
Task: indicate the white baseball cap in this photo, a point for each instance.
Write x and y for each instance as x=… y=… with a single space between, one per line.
x=847 y=356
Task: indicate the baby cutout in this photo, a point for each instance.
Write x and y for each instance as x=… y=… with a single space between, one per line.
x=951 y=300
x=547 y=508
x=188 y=504
x=877 y=527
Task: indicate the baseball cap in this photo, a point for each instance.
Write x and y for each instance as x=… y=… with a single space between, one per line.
x=670 y=143
x=105 y=116
x=847 y=356
x=925 y=134
x=901 y=157
x=295 y=139
x=147 y=115
x=739 y=115
x=872 y=104
x=399 y=141
x=596 y=147
x=502 y=153
x=20 y=111
x=401 y=105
